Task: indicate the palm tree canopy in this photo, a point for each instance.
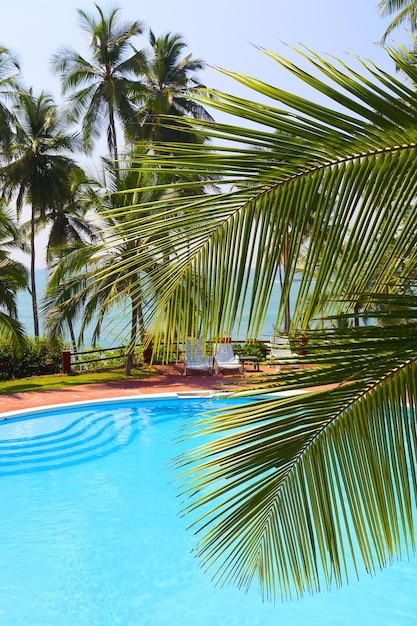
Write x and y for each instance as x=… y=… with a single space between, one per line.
x=37 y=172
x=13 y=278
x=39 y=165
x=407 y=14
x=9 y=73
x=73 y=220
x=102 y=89
x=301 y=491
x=167 y=85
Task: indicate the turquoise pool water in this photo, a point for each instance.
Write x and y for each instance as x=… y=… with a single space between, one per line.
x=90 y=532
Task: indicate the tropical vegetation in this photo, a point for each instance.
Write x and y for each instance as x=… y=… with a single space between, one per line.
x=38 y=170
x=102 y=89
x=406 y=14
x=117 y=88
x=168 y=81
x=13 y=278
x=39 y=356
x=194 y=222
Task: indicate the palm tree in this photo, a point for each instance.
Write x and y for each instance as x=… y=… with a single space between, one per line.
x=38 y=171
x=302 y=491
x=9 y=72
x=407 y=14
x=85 y=283
x=13 y=278
x=73 y=221
x=72 y=224
x=166 y=89
x=102 y=89
x=101 y=289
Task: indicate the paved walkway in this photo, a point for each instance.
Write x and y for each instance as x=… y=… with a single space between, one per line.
x=166 y=379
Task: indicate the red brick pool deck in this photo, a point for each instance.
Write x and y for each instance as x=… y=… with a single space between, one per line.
x=166 y=379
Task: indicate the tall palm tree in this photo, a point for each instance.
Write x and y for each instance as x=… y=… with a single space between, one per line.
x=407 y=14
x=38 y=171
x=101 y=89
x=167 y=84
x=303 y=491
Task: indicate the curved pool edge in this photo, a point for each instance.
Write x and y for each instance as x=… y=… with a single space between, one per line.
x=203 y=393
x=6 y=415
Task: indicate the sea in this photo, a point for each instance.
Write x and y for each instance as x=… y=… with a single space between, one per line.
x=116 y=325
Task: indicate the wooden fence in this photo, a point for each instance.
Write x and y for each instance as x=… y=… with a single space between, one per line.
x=69 y=359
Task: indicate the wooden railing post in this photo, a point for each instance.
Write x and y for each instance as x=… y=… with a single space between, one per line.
x=66 y=361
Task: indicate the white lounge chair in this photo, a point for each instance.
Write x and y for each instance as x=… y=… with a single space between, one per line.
x=226 y=359
x=280 y=348
x=194 y=358
x=282 y=352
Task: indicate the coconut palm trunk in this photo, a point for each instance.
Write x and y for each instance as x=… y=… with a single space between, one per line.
x=287 y=312
x=131 y=347
x=282 y=267
x=33 y=290
x=137 y=328
x=112 y=141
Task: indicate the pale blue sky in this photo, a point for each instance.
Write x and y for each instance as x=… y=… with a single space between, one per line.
x=223 y=33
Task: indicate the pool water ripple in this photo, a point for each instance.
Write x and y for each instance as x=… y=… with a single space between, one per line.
x=73 y=436
x=81 y=440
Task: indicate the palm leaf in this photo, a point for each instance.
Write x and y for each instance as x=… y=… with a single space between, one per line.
x=306 y=491
x=357 y=158
x=303 y=491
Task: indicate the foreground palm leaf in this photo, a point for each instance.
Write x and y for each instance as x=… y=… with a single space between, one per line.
x=302 y=491
x=307 y=491
x=347 y=177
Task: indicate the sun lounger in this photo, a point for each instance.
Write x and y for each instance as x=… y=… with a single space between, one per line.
x=194 y=358
x=225 y=359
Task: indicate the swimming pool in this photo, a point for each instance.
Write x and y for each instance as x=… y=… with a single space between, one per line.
x=90 y=532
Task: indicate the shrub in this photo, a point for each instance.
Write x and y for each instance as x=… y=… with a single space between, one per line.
x=255 y=348
x=40 y=356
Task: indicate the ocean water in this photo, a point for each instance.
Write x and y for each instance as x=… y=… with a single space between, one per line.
x=116 y=326
x=112 y=328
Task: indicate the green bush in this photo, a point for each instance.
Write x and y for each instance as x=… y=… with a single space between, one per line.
x=256 y=348
x=40 y=356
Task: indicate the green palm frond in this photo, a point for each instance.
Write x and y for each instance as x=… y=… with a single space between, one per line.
x=302 y=491
x=407 y=14
x=345 y=153
x=305 y=492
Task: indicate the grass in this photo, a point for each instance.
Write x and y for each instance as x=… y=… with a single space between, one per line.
x=59 y=381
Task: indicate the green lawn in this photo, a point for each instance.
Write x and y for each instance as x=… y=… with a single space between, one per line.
x=57 y=381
